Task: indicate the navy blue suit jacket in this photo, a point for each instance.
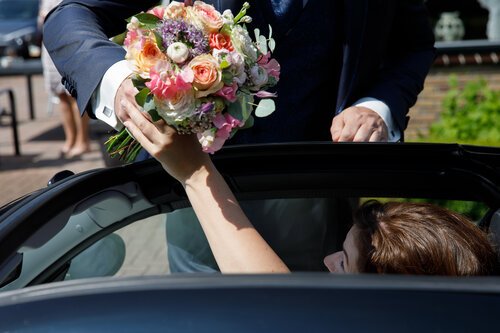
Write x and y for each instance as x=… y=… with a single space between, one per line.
x=388 y=48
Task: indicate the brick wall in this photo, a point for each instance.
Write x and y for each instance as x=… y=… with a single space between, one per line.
x=429 y=103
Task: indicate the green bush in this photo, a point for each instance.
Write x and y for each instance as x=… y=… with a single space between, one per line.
x=471 y=115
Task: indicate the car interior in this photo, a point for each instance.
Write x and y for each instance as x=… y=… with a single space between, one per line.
x=85 y=224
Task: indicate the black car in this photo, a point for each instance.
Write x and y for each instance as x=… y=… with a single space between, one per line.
x=63 y=248
x=20 y=35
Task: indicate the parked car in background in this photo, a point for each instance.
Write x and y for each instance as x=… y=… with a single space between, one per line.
x=62 y=248
x=20 y=35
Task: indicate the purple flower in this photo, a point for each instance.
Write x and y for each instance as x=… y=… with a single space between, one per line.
x=172 y=31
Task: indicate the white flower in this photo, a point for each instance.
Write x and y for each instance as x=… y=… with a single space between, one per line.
x=206 y=138
x=176 y=110
x=243 y=43
x=178 y=52
x=133 y=24
x=228 y=17
x=259 y=76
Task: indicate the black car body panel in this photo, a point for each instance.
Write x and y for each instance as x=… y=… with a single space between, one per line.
x=260 y=303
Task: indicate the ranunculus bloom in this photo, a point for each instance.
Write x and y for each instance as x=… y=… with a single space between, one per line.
x=178 y=52
x=207 y=75
x=220 y=41
x=209 y=17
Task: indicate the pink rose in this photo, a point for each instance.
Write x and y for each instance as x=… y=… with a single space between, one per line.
x=207 y=75
x=207 y=16
x=157 y=11
x=228 y=92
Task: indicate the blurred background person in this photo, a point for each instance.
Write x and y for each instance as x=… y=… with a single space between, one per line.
x=76 y=127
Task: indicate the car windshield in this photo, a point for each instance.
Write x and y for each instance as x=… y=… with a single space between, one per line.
x=18 y=9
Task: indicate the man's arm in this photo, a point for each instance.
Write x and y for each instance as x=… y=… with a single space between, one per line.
x=409 y=56
x=76 y=34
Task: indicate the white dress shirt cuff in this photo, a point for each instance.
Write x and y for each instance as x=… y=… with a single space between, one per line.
x=103 y=101
x=384 y=112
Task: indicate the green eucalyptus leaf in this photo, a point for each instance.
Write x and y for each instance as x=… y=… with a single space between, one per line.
x=270 y=31
x=262 y=44
x=248 y=123
x=257 y=33
x=272 y=44
x=265 y=108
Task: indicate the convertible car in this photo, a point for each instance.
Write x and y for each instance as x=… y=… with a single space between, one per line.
x=91 y=253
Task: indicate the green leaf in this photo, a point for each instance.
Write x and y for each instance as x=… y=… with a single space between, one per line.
x=154 y=115
x=262 y=44
x=224 y=64
x=159 y=41
x=248 y=123
x=241 y=109
x=138 y=82
x=265 y=108
x=147 y=19
x=119 y=39
x=141 y=96
x=272 y=44
x=270 y=31
x=256 y=33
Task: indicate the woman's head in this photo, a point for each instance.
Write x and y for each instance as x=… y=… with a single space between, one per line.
x=416 y=238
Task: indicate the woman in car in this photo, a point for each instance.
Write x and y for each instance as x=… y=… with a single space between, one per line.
x=403 y=238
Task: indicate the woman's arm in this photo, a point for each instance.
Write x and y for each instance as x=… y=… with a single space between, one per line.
x=236 y=245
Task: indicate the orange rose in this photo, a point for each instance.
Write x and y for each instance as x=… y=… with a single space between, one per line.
x=220 y=41
x=147 y=57
x=207 y=75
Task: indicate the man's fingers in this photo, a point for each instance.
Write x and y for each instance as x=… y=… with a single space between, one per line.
x=363 y=134
x=140 y=121
x=336 y=128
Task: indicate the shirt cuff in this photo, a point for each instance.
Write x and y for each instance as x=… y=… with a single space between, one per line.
x=384 y=112
x=103 y=100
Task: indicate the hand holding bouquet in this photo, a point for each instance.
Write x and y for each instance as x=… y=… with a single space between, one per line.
x=200 y=71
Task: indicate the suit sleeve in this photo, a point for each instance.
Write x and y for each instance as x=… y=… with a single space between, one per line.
x=409 y=57
x=76 y=35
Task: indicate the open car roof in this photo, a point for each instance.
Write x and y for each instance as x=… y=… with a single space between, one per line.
x=443 y=171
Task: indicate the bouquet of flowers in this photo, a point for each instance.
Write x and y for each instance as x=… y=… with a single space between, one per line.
x=199 y=70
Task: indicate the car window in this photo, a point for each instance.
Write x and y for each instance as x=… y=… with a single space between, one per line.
x=174 y=242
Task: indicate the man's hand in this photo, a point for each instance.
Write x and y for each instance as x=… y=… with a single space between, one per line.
x=125 y=95
x=358 y=124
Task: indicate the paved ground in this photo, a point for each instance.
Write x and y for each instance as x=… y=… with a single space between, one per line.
x=40 y=143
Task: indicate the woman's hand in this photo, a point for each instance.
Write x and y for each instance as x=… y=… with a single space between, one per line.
x=180 y=155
